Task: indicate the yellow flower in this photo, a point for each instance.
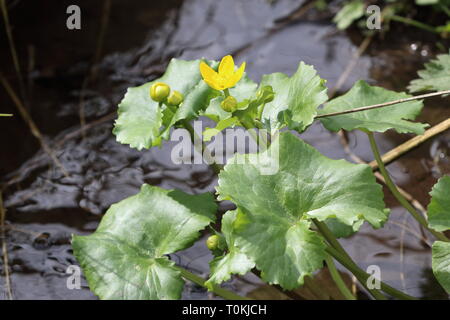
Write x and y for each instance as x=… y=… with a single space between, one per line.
x=226 y=77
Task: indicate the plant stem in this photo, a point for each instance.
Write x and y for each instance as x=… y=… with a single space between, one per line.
x=412 y=143
x=445 y=9
x=345 y=259
x=393 y=188
x=384 y=104
x=5 y=115
x=186 y=124
x=216 y=289
x=414 y=23
x=338 y=279
x=339 y=253
x=362 y=277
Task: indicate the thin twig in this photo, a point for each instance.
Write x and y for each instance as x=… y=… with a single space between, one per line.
x=92 y=75
x=351 y=65
x=12 y=47
x=411 y=232
x=33 y=128
x=5 y=249
x=412 y=143
x=402 y=254
x=384 y=104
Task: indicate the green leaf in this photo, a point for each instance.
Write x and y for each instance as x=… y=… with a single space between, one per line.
x=142 y=123
x=273 y=223
x=234 y=261
x=301 y=94
x=140 y=118
x=350 y=12
x=126 y=257
x=380 y=119
x=215 y=112
x=441 y=263
x=242 y=92
x=435 y=77
x=342 y=230
x=221 y=125
x=439 y=207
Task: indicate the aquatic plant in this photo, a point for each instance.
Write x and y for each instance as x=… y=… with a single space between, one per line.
x=287 y=222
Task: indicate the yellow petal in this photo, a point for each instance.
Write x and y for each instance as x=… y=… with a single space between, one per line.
x=213 y=84
x=207 y=72
x=236 y=76
x=226 y=66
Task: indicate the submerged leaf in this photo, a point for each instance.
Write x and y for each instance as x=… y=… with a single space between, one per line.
x=380 y=119
x=275 y=208
x=441 y=263
x=439 y=207
x=126 y=257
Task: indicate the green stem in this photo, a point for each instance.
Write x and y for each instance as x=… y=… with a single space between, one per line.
x=216 y=289
x=186 y=124
x=345 y=259
x=362 y=277
x=414 y=23
x=226 y=92
x=393 y=188
x=5 y=115
x=339 y=253
x=338 y=279
x=445 y=9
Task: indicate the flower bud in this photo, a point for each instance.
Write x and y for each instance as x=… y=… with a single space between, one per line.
x=213 y=242
x=175 y=98
x=159 y=91
x=265 y=94
x=229 y=104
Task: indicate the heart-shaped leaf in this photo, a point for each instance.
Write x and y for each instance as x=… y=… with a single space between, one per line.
x=441 y=263
x=275 y=208
x=234 y=261
x=126 y=258
x=439 y=207
x=380 y=119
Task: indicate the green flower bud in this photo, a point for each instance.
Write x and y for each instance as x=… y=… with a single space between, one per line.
x=175 y=98
x=229 y=104
x=159 y=91
x=213 y=242
x=265 y=94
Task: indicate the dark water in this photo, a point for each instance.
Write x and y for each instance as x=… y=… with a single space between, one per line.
x=44 y=207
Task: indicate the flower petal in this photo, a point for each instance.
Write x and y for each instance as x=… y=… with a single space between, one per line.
x=207 y=72
x=236 y=76
x=226 y=66
x=209 y=75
